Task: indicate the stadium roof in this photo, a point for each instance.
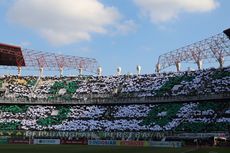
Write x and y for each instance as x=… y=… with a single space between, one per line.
x=17 y=57
x=216 y=47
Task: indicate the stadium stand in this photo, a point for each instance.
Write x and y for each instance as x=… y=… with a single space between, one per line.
x=193 y=83
x=193 y=117
x=173 y=105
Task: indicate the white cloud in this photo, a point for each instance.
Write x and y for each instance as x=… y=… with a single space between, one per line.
x=160 y=11
x=126 y=27
x=65 y=21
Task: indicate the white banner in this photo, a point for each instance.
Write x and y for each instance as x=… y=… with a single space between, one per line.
x=102 y=142
x=46 y=141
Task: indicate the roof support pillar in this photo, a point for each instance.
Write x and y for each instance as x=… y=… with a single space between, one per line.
x=158 y=67
x=80 y=71
x=221 y=61
x=199 y=64
x=41 y=70
x=19 y=71
x=61 y=69
x=178 y=66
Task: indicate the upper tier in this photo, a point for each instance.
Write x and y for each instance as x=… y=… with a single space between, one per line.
x=183 y=84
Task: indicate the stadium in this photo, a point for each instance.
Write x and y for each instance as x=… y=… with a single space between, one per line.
x=181 y=111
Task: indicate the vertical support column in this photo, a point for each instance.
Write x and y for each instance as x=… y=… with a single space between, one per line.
x=61 y=69
x=199 y=64
x=80 y=71
x=178 y=66
x=41 y=71
x=218 y=53
x=158 y=67
x=19 y=71
x=221 y=61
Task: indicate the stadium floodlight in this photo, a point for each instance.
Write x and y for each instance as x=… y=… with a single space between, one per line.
x=119 y=71
x=216 y=47
x=99 y=71
x=138 y=69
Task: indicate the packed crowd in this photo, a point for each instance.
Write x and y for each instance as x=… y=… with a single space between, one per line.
x=189 y=83
x=191 y=117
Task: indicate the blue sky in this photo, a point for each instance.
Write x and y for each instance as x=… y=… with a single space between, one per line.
x=121 y=33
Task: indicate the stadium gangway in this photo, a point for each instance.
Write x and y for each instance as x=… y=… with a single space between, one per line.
x=118 y=100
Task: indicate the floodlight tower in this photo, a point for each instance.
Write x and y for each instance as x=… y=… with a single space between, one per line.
x=99 y=71
x=119 y=71
x=138 y=69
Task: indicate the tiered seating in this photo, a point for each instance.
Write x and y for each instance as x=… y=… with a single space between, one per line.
x=1 y=81
x=189 y=117
x=162 y=114
x=211 y=81
x=19 y=87
x=63 y=90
